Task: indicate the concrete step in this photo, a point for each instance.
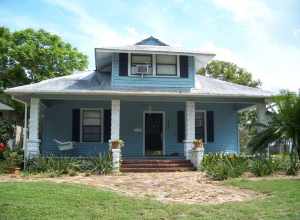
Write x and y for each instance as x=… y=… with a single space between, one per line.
x=165 y=169
x=143 y=161
x=155 y=165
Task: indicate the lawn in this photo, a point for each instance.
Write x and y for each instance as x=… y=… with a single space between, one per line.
x=43 y=200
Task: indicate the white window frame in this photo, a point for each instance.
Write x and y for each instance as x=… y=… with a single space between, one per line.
x=205 y=124
x=130 y=64
x=177 y=67
x=81 y=124
x=154 y=74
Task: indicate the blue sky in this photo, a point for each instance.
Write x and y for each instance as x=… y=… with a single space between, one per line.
x=262 y=36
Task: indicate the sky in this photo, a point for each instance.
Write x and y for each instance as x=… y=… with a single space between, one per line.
x=262 y=36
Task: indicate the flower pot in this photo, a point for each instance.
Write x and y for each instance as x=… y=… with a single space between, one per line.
x=115 y=145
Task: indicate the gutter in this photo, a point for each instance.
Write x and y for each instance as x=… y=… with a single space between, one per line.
x=25 y=125
x=134 y=93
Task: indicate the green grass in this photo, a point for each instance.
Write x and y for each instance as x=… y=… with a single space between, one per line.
x=42 y=200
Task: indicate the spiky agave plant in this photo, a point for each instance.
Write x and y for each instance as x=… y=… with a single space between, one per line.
x=284 y=124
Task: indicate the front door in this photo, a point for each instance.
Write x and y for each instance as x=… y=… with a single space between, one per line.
x=154 y=134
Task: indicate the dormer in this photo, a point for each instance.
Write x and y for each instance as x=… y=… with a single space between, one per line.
x=150 y=63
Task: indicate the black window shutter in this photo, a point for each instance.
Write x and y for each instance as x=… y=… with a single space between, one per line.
x=76 y=125
x=184 y=67
x=107 y=125
x=210 y=126
x=123 y=64
x=180 y=126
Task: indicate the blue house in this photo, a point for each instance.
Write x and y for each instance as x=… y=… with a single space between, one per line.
x=147 y=94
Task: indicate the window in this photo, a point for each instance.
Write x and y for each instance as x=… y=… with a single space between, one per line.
x=141 y=59
x=91 y=125
x=200 y=125
x=166 y=65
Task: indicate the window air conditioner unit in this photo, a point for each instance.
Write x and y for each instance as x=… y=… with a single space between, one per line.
x=142 y=69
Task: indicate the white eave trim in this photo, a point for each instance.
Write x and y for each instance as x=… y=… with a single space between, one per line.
x=112 y=50
x=133 y=93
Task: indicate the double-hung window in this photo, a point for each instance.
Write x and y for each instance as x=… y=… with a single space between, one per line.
x=91 y=130
x=200 y=125
x=166 y=65
x=141 y=59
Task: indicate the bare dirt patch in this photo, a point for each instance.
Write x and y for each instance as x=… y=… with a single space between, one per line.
x=187 y=187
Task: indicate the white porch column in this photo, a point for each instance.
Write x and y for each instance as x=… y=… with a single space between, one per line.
x=33 y=143
x=115 y=133
x=189 y=128
x=261 y=113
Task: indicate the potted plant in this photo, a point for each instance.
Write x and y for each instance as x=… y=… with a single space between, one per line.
x=117 y=144
x=198 y=144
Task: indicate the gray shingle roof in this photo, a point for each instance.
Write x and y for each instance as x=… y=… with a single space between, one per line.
x=91 y=82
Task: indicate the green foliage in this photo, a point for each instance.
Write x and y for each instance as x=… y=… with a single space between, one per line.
x=224 y=166
x=56 y=166
x=292 y=165
x=6 y=131
x=11 y=159
x=283 y=124
x=229 y=72
x=263 y=166
x=29 y=56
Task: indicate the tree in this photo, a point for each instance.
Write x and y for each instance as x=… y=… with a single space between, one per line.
x=230 y=72
x=29 y=56
x=284 y=124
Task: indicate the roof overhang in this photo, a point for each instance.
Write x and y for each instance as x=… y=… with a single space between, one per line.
x=154 y=51
x=131 y=93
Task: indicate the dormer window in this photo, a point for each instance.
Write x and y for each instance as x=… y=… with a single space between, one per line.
x=166 y=65
x=141 y=62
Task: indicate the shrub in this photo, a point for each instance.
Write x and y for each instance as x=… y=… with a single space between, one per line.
x=57 y=166
x=11 y=159
x=264 y=166
x=292 y=165
x=223 y=166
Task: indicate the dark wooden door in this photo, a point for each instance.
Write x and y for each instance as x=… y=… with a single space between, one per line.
x=153 y=134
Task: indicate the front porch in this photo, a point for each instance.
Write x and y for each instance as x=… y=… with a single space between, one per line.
x=149 y=127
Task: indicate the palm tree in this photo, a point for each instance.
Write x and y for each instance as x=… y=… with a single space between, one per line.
x=283 y=124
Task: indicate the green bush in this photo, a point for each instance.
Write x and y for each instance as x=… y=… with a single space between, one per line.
x=292 y=165
x=11 y=159
x=224 y=166
x=264 y=166
x=57 y=166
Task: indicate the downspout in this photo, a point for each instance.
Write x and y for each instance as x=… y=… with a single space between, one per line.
x=25 y=127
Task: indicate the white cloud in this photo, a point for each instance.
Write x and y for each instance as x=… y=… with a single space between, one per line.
x=275 y=63
x=246 y=11
x=99 y=33
x=224 y=54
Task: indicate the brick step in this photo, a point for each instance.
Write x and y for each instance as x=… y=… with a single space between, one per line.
x=155 y=161
x=165 y=169
x=155 y=165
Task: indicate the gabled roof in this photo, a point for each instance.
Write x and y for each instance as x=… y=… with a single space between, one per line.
x=4 y=107
x=151 y=41
x=94 y=83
